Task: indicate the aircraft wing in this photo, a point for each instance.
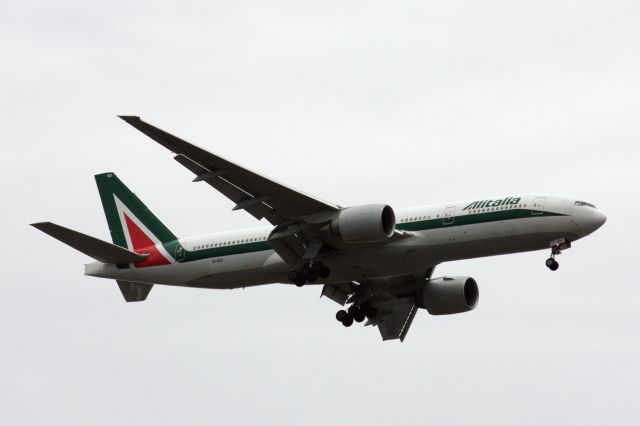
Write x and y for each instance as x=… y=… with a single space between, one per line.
x=258 y=195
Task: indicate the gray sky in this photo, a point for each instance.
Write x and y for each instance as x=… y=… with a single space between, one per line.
x=354 y=102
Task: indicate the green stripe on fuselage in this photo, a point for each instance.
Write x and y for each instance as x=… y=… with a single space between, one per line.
x=208 y=253
x=420 y=225
x=472 y=219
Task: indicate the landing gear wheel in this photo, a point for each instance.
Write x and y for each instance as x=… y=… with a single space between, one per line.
x=293 y=275
x=341 y=315
x=312 y=277
x=552 y=264
x=348 y=321
x=323 y=272
x=369 y=311
x=296 y=277
x=356 y=313
x=306 y=270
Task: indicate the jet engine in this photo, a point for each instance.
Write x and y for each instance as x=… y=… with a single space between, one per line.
x=449 y=295
x=366 y=223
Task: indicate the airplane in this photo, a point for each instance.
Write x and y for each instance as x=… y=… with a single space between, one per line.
x=374 y=259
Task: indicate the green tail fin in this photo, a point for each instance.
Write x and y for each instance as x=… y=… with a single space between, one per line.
x=131 y=223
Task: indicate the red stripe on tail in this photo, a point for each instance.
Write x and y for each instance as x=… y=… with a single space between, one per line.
x=143 y=244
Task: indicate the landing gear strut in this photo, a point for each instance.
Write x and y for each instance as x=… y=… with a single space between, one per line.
x=556 y=248
x=310 y=272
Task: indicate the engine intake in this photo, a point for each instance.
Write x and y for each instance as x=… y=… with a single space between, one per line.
x=367 y=223
x=449 y=295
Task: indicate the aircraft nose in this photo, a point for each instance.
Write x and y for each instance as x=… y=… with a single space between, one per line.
x=599 y=218
x=589 y=221
x=594 y=220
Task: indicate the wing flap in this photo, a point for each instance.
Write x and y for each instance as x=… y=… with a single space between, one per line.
x=100 y=250
x=395 y=318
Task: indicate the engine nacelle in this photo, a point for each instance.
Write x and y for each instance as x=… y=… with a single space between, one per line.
x=449 y=295
x=367 y=223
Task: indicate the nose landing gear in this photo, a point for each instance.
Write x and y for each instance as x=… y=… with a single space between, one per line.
x=556 y=248
x=552 y=264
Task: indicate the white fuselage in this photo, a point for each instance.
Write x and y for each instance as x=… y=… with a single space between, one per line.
x=430 y=235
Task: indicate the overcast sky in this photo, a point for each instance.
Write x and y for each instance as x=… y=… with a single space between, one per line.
x=407 y=103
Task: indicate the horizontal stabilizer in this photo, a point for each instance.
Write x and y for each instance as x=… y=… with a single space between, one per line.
x=100 y=250
x=134 y=292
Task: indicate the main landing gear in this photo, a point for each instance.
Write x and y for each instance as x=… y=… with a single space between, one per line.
x=356 y=313
x=556 y=248
x=309 y=272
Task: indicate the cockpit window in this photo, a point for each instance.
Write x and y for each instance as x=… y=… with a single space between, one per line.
x=584 y=203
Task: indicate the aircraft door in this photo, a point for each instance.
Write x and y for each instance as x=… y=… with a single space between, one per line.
x=449 y=215
x=180 y=254
x=538 y=205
